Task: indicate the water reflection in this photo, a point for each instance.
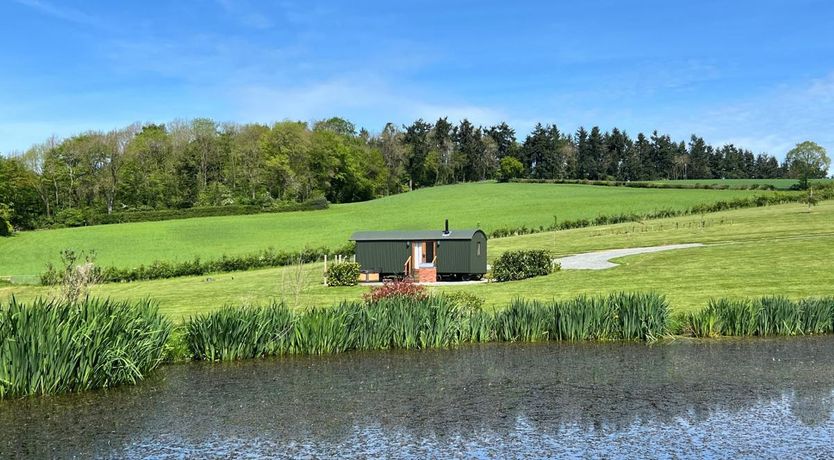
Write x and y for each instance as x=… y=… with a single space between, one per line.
x=723 y=398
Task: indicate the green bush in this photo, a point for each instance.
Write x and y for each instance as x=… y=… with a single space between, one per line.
x=50 y=347
x=510 y=168
x=465 y=299
x=343 y=274
x=5 y=227
x=522 y=264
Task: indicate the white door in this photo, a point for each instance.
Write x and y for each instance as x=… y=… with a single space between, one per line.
x=418 y=253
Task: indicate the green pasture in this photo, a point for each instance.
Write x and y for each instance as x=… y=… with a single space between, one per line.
x=488 y=205
x=776 y=250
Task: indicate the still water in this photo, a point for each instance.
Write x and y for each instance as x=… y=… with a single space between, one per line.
x=757 y=398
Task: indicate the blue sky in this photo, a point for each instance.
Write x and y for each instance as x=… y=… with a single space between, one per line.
x=758 y=74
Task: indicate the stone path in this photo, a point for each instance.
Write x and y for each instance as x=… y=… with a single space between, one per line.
x=601 y=260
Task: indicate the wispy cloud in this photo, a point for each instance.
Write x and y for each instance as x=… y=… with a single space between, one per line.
x=61 y=12
x=244 y=13
x=364 y=96
x=772 y=121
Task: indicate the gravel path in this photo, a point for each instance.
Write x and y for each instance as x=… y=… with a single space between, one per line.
x=600 y=260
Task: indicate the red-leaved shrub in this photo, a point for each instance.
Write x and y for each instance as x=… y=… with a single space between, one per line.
x=402 y=289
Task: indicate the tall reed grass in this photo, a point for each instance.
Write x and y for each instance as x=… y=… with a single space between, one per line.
x=51 y=347
x=620 y=316
x=763 y=316
x=419 y=323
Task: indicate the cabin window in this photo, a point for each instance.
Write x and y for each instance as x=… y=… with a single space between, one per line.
x=479 y=248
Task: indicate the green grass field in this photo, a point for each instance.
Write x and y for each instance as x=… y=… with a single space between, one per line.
x=777 y=250
x=488 y=205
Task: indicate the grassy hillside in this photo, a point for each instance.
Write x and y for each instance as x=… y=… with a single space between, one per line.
x=778 y=250
x=488 y=205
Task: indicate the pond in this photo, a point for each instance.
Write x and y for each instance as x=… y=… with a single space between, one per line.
x=685 y=398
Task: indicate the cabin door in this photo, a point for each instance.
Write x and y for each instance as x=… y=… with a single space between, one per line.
x=418 y=254
x=423 y=253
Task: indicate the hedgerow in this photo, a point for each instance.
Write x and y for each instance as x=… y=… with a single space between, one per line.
x=82 y=217
x=196 y=267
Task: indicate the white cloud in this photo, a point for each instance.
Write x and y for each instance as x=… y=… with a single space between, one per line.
x=363 y=96
x=776 y=120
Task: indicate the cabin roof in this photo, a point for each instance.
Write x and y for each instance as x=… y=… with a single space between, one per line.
x=418 y=235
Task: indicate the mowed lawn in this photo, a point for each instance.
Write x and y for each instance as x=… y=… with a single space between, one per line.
x=777 y=250
x=487 y=205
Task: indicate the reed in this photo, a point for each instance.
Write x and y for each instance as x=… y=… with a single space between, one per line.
x=762 y=317
x=585 y=318
x=817 y=315
x=419 y=323
x=52 y=347
x=778 y=316
x=240 y=332
x=525 y=321
x=620 y=316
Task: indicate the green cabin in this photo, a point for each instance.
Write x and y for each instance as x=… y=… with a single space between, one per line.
x=426 y=256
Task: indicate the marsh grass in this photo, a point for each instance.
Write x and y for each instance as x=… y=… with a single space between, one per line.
x=419 y=323
x=764 y=316
x=52 y=347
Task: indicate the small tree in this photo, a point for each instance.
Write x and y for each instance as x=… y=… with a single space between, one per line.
x=294 y=282
x=807 y=160
x=78 y=273
x=810 y=199
x=510 y=168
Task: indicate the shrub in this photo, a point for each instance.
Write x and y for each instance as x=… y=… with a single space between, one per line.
x=522 y=264
x=6 y=228
x=343 y=274
x=70 y=218
x=51 y=347
x=404 y=289
x=465 y=300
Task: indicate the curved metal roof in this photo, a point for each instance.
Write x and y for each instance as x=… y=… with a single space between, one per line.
x=420 y=235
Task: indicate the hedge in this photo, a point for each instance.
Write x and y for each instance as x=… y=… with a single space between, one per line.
x=196 y=267
x=641 y=184
x=84 y=217
x=522 y=264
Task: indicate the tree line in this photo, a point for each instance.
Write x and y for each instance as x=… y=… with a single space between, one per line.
x=201 y=162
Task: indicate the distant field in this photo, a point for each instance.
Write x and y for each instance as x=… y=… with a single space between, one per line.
x=777 y=250
x=488 y=205
x=782 y=184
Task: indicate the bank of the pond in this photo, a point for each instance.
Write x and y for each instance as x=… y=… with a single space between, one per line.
x=51 y=348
